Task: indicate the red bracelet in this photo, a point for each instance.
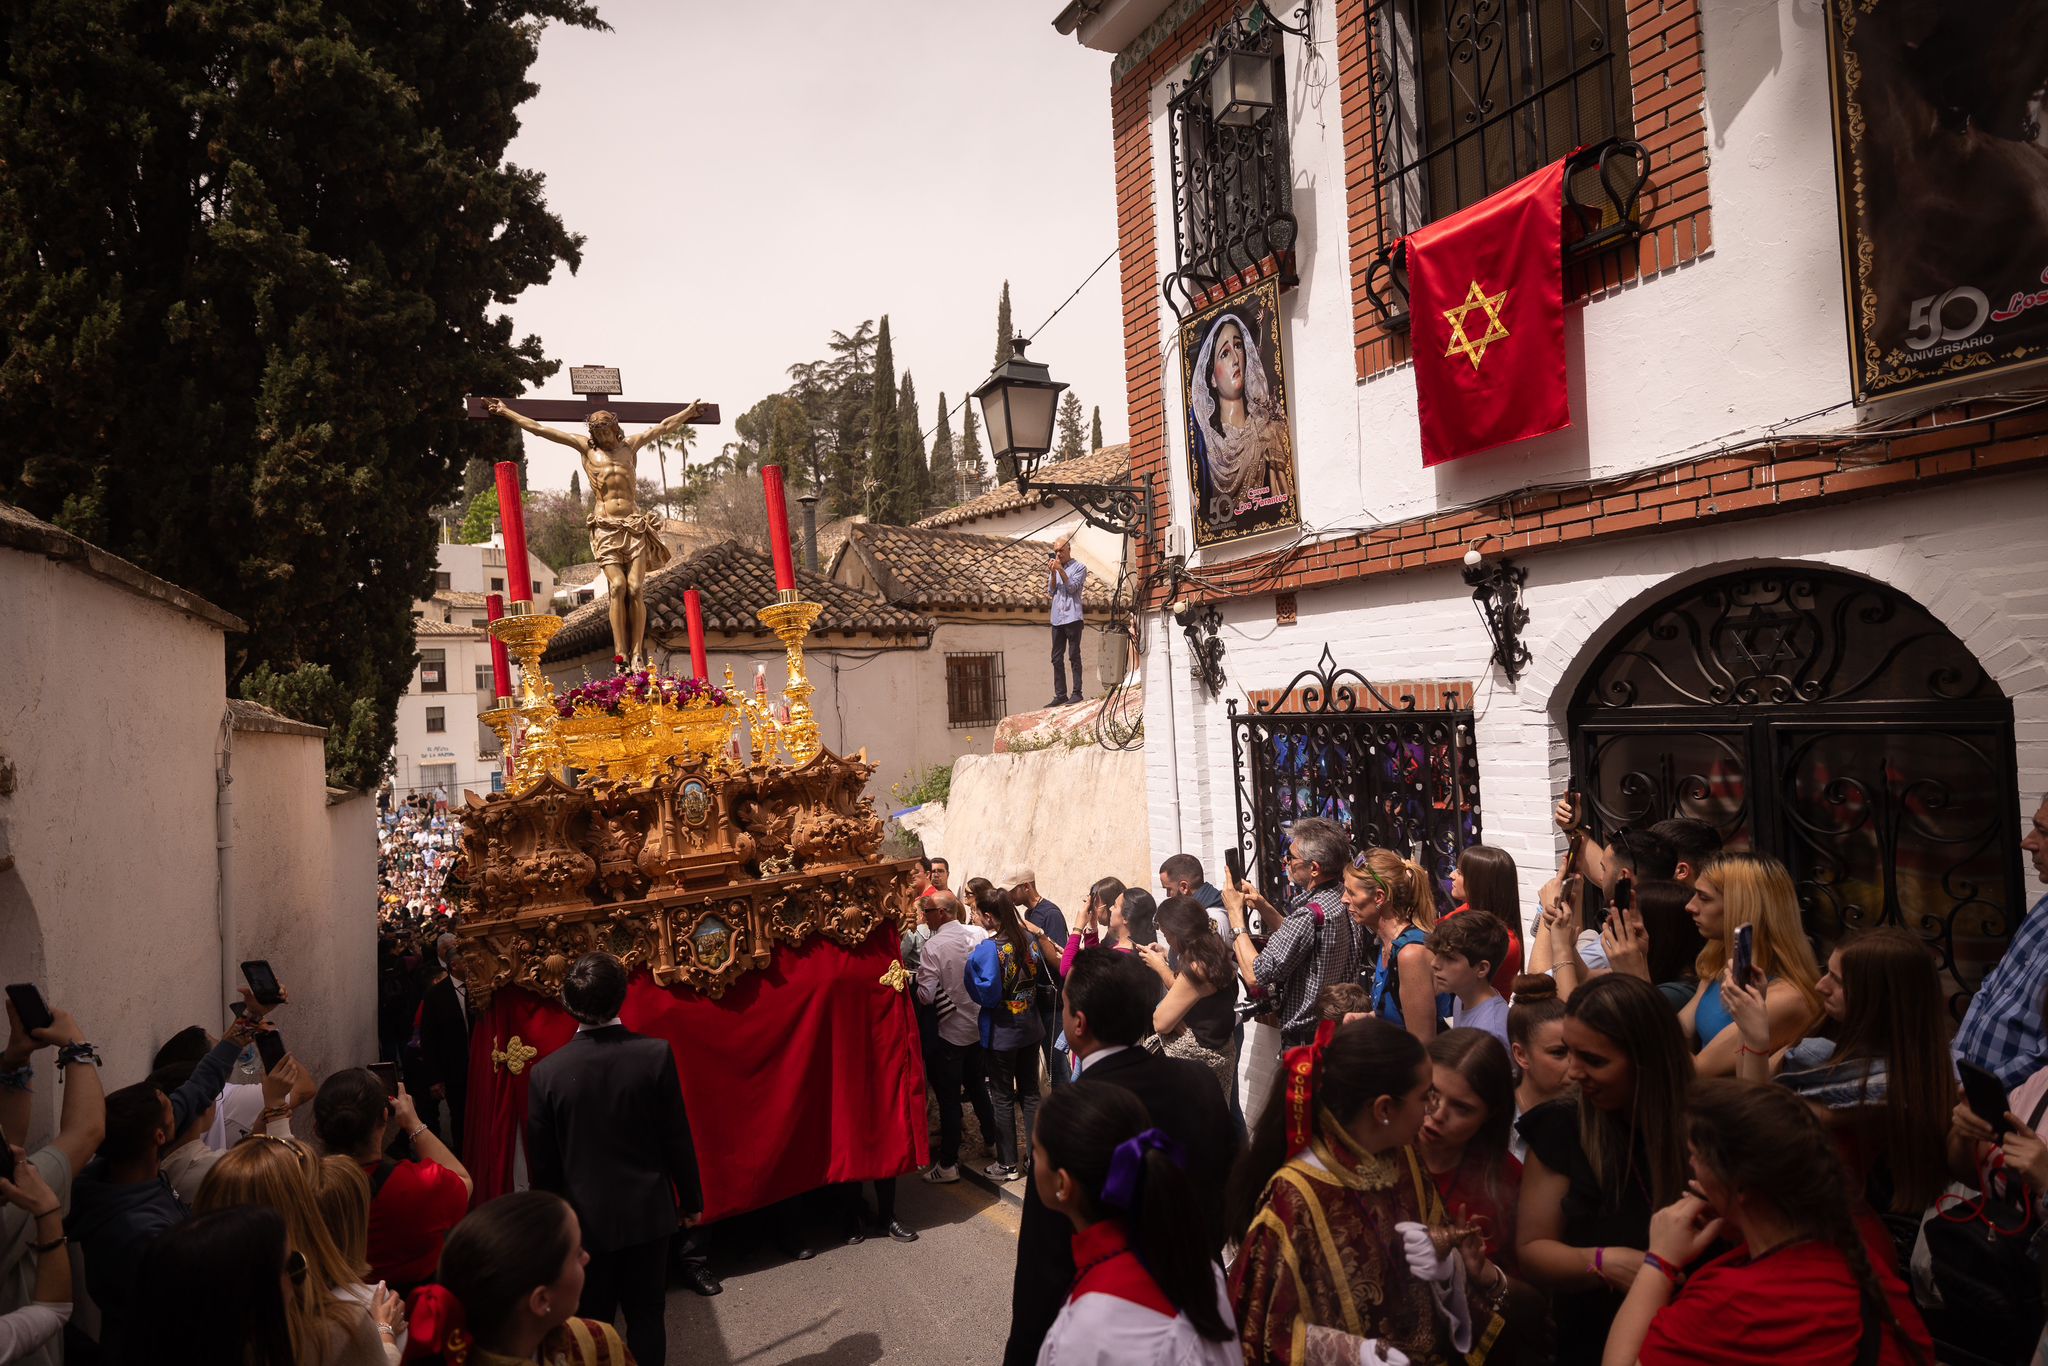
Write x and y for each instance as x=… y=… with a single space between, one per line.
x=1671 y=1273
x=1753 y=1052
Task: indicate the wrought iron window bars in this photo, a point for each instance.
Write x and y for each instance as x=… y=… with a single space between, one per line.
x=1468 y=96
x=1232 y=180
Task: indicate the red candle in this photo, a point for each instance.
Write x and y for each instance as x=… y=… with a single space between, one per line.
x=512 y=516
x=693 y=615
x=778 y=528
x=501 y=662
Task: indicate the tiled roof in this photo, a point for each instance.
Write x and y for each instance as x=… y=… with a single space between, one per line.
x=1110 y=465
x=933 y=570
x=452 y=597
x=735 y=583
x=832 y=535
x=427 y=626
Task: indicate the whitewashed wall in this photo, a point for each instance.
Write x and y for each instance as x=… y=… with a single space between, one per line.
x=1975 y=556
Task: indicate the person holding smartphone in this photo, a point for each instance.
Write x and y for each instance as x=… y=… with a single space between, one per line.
x=413 y=1204
x=1065 y=578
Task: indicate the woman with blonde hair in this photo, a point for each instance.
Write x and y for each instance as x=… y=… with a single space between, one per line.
x=1391 y=896
x=327 y=1329
x=1733 y=891
x=344 y=1196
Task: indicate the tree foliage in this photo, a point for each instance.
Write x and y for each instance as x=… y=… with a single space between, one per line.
x=973 y=470
x=945 y=476
x=479 y=519
x=913 y=475
x=1095 y=430
x=1070 y=435
x=251 y=260
x=880 y=489
x=1004 y=334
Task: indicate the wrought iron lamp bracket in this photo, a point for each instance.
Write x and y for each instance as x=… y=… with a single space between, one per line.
x=1497 y=592
x=1119 y=509
x=1203 y=626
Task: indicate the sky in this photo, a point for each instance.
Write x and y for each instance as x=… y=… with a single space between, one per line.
x=750 y=177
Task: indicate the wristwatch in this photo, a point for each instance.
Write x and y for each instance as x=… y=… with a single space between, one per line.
x=72 y=1053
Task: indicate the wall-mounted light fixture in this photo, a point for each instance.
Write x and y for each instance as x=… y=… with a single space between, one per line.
x=1018 y=402
x=1203 y=626
x=1497 y=593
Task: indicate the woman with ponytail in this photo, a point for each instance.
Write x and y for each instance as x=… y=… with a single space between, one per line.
x=1332 y=1197
x=1144 y=1291
x=1806 y=1283
x=1391 y=896
x=510 y=1277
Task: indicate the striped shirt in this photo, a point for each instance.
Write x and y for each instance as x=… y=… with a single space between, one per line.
x=2003 y=1032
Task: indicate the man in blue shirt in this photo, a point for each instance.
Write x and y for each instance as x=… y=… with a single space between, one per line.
x=1064 y=578
x=2004 y=1032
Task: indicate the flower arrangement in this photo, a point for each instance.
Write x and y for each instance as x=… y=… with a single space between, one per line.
x=605 y=696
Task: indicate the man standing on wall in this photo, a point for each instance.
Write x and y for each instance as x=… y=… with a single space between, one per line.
x=1064 y=578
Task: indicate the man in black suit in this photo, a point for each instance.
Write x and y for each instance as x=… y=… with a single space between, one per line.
x=444 y=1042
x=606 y=1130
x=1106 y=1008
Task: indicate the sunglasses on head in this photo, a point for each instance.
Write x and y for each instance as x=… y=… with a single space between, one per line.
x=1362 y=863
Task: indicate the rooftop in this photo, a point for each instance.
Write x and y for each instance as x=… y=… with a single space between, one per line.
x=1110 y=465
x=427 y=626
x=932 y=570
x=735 y=583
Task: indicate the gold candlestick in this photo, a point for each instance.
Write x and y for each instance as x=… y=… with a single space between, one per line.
x=526 y=636
x=791 y=620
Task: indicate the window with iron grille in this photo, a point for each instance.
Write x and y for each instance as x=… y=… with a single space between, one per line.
x=1469 y=96
x=433 y=671
x=1231 y=178
x=974 y=690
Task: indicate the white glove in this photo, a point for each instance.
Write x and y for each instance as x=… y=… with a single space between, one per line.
x=1444 y=1275
x=1334 y=1347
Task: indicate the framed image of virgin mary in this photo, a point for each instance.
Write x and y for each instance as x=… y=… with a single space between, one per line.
x=1240 y=454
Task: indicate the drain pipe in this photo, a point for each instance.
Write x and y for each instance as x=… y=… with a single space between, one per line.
x=223 y=853
x=1180 y=843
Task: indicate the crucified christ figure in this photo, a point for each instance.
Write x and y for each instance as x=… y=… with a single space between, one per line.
x=625 y=541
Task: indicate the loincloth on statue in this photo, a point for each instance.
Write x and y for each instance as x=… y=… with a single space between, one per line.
x=619 y=541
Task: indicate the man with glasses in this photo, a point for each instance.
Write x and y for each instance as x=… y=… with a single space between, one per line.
x=1316 y=943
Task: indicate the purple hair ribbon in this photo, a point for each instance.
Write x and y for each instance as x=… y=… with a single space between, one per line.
x=1127 y=1167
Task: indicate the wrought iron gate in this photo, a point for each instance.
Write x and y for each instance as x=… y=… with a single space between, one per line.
x=1834 y=724
x=1331 y=745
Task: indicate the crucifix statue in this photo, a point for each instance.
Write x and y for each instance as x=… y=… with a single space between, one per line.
x=624 y=540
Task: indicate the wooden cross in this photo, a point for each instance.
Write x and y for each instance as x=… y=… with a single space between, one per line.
x=596 y=386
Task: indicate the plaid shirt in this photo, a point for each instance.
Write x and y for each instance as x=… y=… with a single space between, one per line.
x=1300 y=959
x=2003 y=1032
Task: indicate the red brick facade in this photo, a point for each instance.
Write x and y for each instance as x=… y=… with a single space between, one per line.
x=1665 y=54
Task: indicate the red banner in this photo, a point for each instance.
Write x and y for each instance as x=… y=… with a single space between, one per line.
x=1486 y=299
x=806 y=1073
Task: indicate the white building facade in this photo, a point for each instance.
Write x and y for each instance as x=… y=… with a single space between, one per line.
x=1819 y=623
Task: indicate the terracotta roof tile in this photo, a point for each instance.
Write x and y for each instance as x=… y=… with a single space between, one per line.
x=427 y=626
x=451 y=597
x=933 y=570
x=735 y=583
x=1110 y=465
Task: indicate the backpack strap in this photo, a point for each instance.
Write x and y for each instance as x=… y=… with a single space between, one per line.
x=380 y=1174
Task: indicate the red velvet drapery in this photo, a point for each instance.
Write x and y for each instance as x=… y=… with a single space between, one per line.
x=806 y=1073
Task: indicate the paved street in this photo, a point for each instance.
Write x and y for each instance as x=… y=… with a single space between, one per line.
x=944 y=1299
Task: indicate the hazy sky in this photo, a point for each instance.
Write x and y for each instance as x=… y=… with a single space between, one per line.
x=750 y=177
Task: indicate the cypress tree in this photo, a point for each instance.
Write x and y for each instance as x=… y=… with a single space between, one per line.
x=915 y=476
x=882 y=487
x=968 y=458
x=576 y=485
x=1071 y=434
x=1095 y=430
x=1003 y=332
x=945 y=475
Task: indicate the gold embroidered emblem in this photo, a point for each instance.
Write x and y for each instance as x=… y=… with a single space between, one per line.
x=514 y=1056
x=896 y=978
x=1474 y=348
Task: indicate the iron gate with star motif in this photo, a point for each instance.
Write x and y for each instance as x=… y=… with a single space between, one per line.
x=1832 y=723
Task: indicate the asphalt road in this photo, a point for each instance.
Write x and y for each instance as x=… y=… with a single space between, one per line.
x=944 y=1299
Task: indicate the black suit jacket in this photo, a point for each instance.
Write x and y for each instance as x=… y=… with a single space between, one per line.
x=444 y=1038
x=606 y=1130
x=1183 y=1099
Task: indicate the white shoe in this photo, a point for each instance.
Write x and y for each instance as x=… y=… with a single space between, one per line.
x=939 y=1174
x=1000 y=1172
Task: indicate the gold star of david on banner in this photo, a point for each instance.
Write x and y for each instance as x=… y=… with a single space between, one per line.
x=1474 y=348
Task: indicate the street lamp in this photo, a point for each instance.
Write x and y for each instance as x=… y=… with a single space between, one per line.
x=1018 y=402
x=1241 y=86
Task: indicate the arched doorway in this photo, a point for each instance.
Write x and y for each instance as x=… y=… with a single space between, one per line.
x=1831 y=722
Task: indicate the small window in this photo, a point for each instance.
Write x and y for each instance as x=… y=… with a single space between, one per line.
x=974 y=690
x=487 y=744
x=433 y=671
x=437 y=720
x=480 y=623
x=442 y=581
x=497 y=585
x=485 y=683
x=434 y=776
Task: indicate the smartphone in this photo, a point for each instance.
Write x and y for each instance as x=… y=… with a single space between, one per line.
x=262 y=982
x=1986 y=1094
x=1233 y=859
x=1625 y=893
x=270 y=1047
x=29 y=1004
x=386 y=1072
x=6 y=1159
x=1745 y=953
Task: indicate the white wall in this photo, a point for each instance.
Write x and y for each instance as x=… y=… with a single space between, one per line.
x=1749 y=335
x=416 y=747
x=1973 y=555
x=470 y=569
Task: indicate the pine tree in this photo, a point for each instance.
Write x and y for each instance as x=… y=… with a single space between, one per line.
x=914 y=475
x=881 y=489
x=1071 y=433
x=1095 y=430
x=576 y=485
x=973 y=477
x=945 y=475
x=1004 y=335
x=203 y=381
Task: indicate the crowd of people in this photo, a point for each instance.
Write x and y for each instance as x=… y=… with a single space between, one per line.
x=1663 y=1130
x=415 y=851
